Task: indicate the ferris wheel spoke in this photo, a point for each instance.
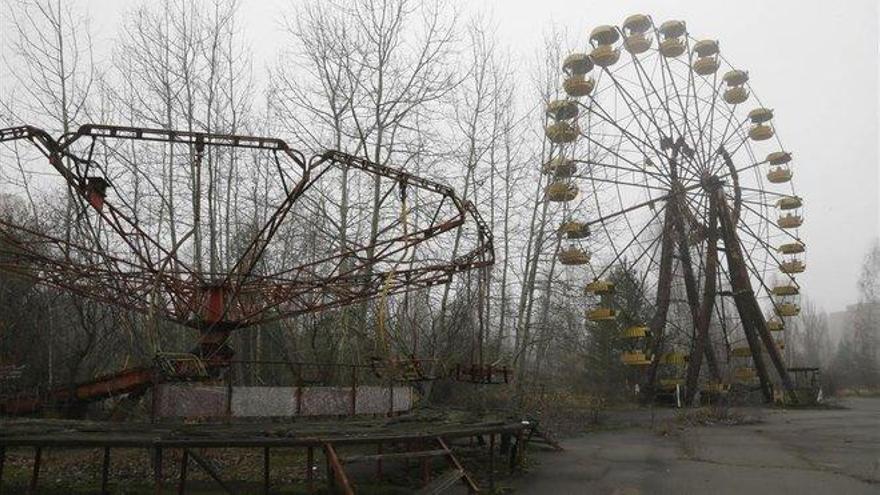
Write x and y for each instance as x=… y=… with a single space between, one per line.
x=748 y=231
x=738 y=131
x=697 y=206
x=722 y=139
x=651 y=221
x=650 y=252
x=763 y=191
x=743 y=169
x=684 y=109
x=760 y=277
x=727 y=135
x=655 y=175
x=632 y=102
x=691 y=86
x=644 y=204
x=706 y=145
x=625 y=183
x=652 y=261
x=644 y=76
x=756 y=203
x=606 y=117
x=771 y=222
x=611 y=151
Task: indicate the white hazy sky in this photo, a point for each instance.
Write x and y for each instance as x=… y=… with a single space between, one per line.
x=814 y=62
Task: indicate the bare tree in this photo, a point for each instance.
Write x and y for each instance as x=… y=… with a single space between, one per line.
x=809 y=343
x=54 y=71
x=866 y=324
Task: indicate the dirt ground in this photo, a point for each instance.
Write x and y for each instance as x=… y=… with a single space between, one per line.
x=802 y=452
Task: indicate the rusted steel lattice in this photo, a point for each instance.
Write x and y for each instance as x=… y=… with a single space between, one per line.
x=223 y=232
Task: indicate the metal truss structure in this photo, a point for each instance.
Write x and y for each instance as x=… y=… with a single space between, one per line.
x=221 y=232
x=653 y=127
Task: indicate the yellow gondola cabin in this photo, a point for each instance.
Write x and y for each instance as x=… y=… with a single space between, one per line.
x=779 y=175
x=573 y=229
x=578 y=85
x=790 y=221
x=573 y=255
x=601 y=314
x=561 y=191
x=562 y=132
x=599 y=288
x=605 y=55
x=788 y=309
x=560 y=167
x=562 y=109
x=783 y=290
x=634 y=358
x=789 y=203
x=577 y=63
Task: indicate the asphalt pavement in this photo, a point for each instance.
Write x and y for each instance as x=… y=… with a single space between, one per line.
x=800 y=452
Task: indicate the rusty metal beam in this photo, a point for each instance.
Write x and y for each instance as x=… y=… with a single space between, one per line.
x=657 y=324
x=295 y=291
x=754 y=324
x=704 y=317
x=701 y=343
x=244 y=298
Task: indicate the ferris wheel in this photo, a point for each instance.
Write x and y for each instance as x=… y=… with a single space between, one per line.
x=664 y=160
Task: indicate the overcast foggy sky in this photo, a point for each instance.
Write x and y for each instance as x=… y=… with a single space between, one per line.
x=814 y=62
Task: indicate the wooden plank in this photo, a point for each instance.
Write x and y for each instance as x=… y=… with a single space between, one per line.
x=105 y=471
x=520 y=449
x=266 y=461
x=468 y=481
x=393 y=455
x=2 y=462
x=157 y=470
x=379 y=462
x=206 y=467
x=310 y=475
x=87 y=434
x=184 y=464
x=442 y=483
x=338 y=470
x=541 y=434
x=35 y=475
x=492 y=461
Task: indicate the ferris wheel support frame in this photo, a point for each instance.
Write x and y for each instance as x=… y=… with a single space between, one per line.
x=754 y=323
x=711 y=291
x=721 y=227
x=664 y=289
x=654 y=147
x=703 y=313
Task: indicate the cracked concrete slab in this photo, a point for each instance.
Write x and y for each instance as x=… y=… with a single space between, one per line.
x=799 y=452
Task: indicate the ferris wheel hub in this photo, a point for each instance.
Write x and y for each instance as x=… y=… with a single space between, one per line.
x=711 y=182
